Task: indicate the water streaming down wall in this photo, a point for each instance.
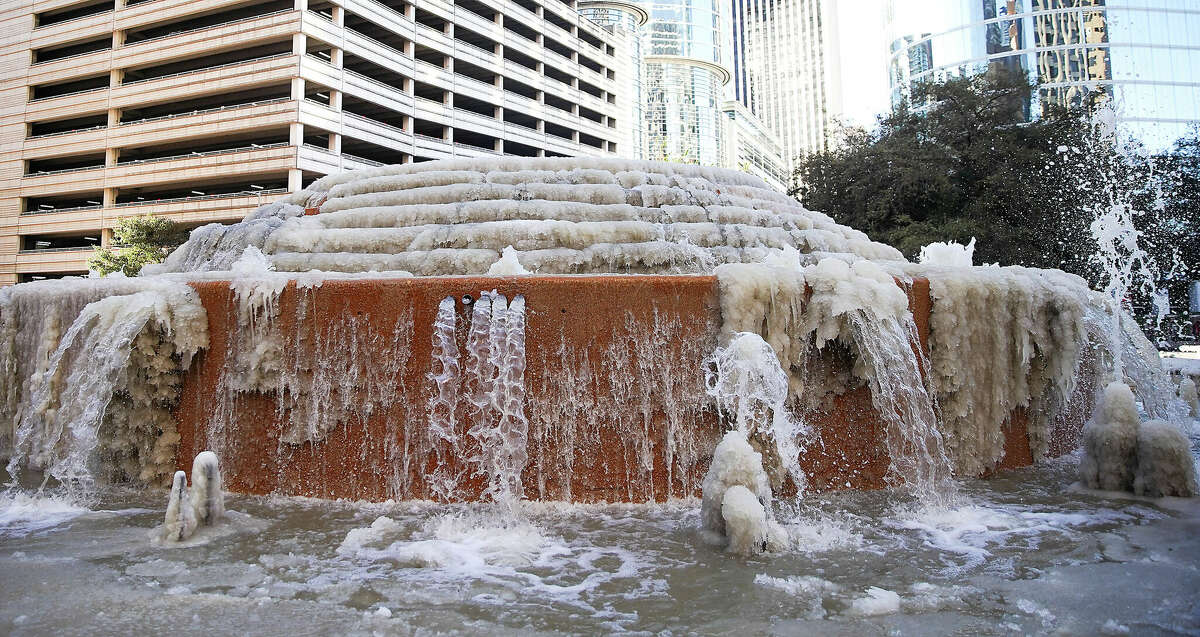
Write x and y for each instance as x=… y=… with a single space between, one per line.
x=91 y=371
x=837 y=325
x=372 y=385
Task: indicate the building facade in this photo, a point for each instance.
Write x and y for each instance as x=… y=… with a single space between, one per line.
x=626 y=21
x=1144 y=53
x=201 y=110
x=787 y=70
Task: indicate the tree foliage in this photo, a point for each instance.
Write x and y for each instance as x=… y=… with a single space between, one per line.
x=968 y=161
x=137 y=241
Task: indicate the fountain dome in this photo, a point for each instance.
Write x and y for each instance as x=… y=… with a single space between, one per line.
x=561 y=215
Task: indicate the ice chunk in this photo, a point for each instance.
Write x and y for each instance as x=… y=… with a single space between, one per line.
x=508 y=264
x=878 y=601
x=742 y=520
x=1164 y=461
x=1110 y=441
x=747 y=526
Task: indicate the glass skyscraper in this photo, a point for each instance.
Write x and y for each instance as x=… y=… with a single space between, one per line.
x=1144 y=53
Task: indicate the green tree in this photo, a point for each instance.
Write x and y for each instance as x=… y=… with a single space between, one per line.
x=969 y=161
x=138 y=241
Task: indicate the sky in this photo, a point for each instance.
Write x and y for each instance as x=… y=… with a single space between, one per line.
x=863 y=48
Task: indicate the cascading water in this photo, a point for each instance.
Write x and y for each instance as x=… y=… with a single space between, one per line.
x=858 y=306
x=107 y=385
x=488 y=393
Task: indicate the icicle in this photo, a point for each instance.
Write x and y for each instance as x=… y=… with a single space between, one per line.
x=180 y=522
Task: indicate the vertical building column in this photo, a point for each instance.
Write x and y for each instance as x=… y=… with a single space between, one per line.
x=297 y=88
x=115 y=77
x=336 y=57
x=295 y=180
x=339 y=15
x=301 y=5
x=335 y=143
x=111 y=156
x=335 y=100
x=296 y=134
x=114 y=117
x=299 y=43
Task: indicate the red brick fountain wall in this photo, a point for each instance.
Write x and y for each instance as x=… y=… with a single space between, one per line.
x=623 y=353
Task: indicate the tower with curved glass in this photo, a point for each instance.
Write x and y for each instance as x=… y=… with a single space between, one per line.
x=625 y=20
x=1144 y=53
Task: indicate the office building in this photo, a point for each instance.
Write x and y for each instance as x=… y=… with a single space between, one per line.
x=1144 y=55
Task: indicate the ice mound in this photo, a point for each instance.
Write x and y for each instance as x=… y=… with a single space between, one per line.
x=1187 y=393
x=948 y=253
x=1110 y=441
x=560 y=215
x=735 y=508
x=1164 y=461
x=1153 y=458
x=203 y=505
x=508 y=264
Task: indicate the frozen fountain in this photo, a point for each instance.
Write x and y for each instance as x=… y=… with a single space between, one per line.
x=577 y=329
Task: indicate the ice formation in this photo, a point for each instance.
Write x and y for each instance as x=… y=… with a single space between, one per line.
x=92 y=368
x=561 y=215
x=1164 y=461
x=1187 y=393
x=1110 y=441
x=189 y=509
x=208 y=500
x=949 y=253
x=180 y=522
x=855 y=315
x=751 y=388
x=809 y=310
x=736 y=503
x=508 y=265
x=983 y=368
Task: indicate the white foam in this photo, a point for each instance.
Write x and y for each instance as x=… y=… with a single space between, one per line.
x=22 y=513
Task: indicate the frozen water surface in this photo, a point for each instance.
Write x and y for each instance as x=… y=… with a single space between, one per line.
x=1029 y=552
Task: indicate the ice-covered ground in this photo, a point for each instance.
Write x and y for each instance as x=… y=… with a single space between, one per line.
x=1028 y=553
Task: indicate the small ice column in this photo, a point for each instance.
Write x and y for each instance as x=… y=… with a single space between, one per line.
x=1110 y=441
x=208 y=500
x=444 y=374
x=180 y=521
x=736 y=504
x=748 y=383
